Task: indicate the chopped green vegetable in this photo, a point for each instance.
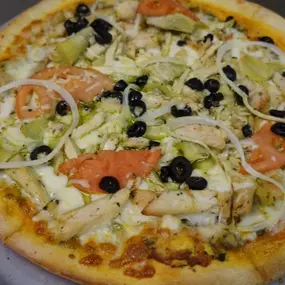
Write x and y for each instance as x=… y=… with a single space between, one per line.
x=156 y=132
x=193 y=151
x=35 y=129
x=258 y=70
x=267 y=194
x=175 y=22
x=69 y=51
x=5 y=155
x=205 y=165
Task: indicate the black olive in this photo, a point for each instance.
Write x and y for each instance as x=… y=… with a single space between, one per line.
x=267 y=40
x=186 y=111
x=211 y=101
x=109 y=184
x=104 y=38
x=277 y=113
x=134 y=96
x=196 y=183
x=180 y=169
x=69 y=27
x=121 y=85
x=44 y=149
x=153 y=144
x=230 y=73
x=82 y=10
x=181 y=43
x=212 y=85
x=247 y=131
x=138 y=108
x=138 y=129
x=278 y=129
x=141 y=81
x=81 y=24
x=260 y=233
x=164 y=174
x=100 y=26
x=62 y=108
x=283 y=73
x=209 y=37
x=195 y=84
x=229 y=18
x=238 y=97
x=113 y=94
x=222 y=257
x=218 y=96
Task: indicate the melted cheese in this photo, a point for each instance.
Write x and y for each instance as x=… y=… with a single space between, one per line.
x=70 y=198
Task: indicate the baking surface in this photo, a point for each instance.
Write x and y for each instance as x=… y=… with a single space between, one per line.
x=14 y=269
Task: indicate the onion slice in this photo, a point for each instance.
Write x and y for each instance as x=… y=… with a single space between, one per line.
x=228 y=47
x=75 y=115
x=180 y=122
x=154 y=60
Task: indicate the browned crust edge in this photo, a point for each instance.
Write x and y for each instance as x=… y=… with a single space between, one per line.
x=238 y=269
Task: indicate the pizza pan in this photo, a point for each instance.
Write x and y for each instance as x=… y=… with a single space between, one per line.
x=14 y=269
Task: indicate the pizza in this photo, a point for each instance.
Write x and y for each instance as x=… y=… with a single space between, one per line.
x=143 y=141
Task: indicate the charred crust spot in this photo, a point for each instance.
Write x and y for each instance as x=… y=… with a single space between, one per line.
x=147 y=271
x=71 y=256
x=91 y=260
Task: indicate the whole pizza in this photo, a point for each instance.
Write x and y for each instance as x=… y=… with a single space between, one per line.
x=143 y=142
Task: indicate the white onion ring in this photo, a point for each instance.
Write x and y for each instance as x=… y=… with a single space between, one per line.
x=180 y=122
x=228 y=47
x=75 y=115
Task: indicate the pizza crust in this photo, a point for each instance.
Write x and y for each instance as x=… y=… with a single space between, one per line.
x=56 y=259
x=250 y=267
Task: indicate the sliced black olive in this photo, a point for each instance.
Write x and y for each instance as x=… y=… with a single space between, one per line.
x=283 y=73
x=180 y=169
x=186 y=111
x=278 y=129
x=211 y=101
x=277 y=113
x=109 y=184
x=138 y=108
x=195 y=84
x=134 y=96
x=104 y=38
x=69 y=27
x=222 y=257
x=62 y=108
x=101 y=26
x=218 y=96
x=181 y=43
x=267 y=40
x=209 y=37
x=44 y=149
x=260 y=233
x=153 y=144
x=196 y=183
x=141 y=81
x=113 y=94
x=82 y=10
x=239 y=99
x=137 y=130
x=247 y=131
x=212 y=85
x=121 y=85
x=229 y=18
x=230 y=73
x=81 y=24
x=164 y=174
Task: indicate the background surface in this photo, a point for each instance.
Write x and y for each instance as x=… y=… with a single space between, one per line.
x=15 y=270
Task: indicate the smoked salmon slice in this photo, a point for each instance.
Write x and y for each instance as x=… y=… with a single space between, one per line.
x=123 y=165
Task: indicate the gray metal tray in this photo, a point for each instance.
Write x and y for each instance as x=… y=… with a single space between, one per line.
x=14 y=269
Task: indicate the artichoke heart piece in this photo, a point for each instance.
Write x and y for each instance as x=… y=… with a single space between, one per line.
x=258 y=70
x=35 y=129
x=29 y=183
x=69 y=51
x=268 y=194
x=99 y=212
x=193 y=151
x=175 y=22
x=182 y=203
